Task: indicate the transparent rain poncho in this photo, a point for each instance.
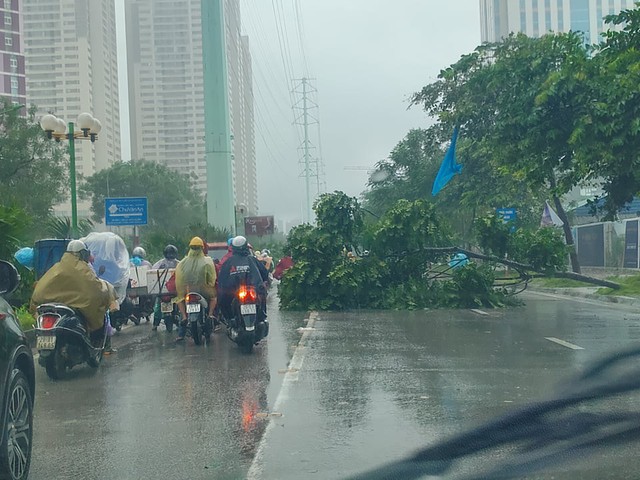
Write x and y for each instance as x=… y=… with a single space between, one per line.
x=196 y=273
x=111 y=260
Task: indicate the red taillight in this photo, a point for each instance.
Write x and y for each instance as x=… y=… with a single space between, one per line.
x=192 y=298
x=247 y=294
x=166 y=298
x=48 y=321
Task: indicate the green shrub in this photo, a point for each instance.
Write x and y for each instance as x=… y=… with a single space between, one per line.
x=25 y=318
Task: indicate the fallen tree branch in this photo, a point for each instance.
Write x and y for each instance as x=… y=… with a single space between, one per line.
x=522 y=267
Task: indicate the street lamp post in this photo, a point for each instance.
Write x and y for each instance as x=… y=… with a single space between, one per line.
x=57 y=129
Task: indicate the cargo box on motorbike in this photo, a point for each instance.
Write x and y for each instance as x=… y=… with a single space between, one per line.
x=158 y=281
x=138 y=281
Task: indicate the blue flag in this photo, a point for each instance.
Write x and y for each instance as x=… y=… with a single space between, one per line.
x=449 y=166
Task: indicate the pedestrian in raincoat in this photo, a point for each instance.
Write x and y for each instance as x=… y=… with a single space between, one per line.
x=195 y=273
x=72 y=282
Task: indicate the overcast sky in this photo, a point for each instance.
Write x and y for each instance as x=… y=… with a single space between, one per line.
x=367 y=57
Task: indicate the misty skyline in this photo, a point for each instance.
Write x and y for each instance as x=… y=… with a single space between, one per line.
x=366 y=56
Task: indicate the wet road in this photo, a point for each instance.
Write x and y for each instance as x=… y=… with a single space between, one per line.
x=374 y=387
x=157 y=409
x=361 y=389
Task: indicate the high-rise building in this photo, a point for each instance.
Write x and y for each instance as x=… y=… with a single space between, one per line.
x=538 y=17
x=166 y=92
x=241 y=120
x=71 y=68
x=12 y=77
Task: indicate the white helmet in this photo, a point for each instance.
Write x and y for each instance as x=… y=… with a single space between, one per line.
x=239 y=244
x=76 y=246
x=139 y=252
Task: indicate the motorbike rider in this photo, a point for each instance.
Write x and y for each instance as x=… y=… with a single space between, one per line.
x=138 y=258
x=72 y=282
x=267 y=260
x=284 y=264
x=169 y=260
x=241 y=268
x=226 y=256
x=195 y=273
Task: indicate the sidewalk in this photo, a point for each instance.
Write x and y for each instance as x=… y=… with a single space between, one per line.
x=587 y=292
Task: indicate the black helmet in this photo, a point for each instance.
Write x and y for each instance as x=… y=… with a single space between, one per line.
x=170 y=252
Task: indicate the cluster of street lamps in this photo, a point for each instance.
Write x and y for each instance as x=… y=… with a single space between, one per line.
x=56 y=128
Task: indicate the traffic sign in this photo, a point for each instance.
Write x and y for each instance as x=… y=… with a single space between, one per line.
x=507 y=214
x=125 y=211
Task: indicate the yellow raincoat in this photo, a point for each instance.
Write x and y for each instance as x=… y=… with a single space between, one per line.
x=73 y=283
x=196 y=273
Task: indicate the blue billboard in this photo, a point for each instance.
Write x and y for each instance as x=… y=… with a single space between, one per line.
x=125 y=211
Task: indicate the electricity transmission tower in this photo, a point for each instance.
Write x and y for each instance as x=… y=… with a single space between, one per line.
x=306 y=115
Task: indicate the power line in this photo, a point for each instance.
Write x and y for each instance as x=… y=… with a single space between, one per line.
x=300 y=28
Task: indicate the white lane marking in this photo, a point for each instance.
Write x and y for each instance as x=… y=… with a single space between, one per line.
x=255 y=471
x=563 y=343
x=479 y=312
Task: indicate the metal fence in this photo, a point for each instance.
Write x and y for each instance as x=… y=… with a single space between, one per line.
x=608 y=244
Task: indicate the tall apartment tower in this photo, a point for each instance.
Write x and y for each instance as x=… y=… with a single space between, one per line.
x=538 y=17
x=12 y=73
x=166 y=92
x=71 y=67
x=241 y=120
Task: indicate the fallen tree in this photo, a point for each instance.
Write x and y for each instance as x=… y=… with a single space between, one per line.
x=522 y=268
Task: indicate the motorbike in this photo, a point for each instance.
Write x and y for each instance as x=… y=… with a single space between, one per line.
x=126 y=313
x=168 y=311
x=62 y=340
x=248 y=324
x=141 y=306
x=200 y=325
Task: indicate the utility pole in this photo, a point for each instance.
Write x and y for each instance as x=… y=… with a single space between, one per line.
x=217 y=137
x=303 y=90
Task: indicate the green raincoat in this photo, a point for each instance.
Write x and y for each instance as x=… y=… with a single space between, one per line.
x=196 y=273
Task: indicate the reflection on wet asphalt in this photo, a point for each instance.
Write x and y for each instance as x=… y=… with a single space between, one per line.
x=157 y=409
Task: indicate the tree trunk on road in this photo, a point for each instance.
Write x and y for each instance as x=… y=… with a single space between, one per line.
x=523 y=268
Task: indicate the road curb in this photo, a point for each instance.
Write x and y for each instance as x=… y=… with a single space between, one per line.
x=572 y=292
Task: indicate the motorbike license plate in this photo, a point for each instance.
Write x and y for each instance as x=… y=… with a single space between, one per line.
x=166 y=307
x=248 y=309
x=193 y=308
x=135 y=301
x=47 y=342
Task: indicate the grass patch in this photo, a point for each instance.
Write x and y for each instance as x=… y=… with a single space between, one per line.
x=629 y=286
x=25 y=319
x=554 y=282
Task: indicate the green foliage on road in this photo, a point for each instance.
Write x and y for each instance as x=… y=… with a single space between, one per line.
x=332 y=272
x=542 y=248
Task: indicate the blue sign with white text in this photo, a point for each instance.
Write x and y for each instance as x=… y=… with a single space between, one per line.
x=507 y=214
x=125 y=211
